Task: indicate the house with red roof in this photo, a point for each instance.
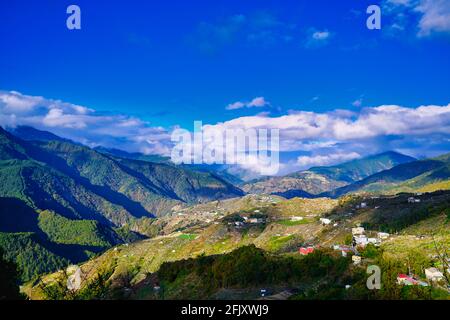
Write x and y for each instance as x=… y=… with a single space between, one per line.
x=406 y=280
x=304 y=251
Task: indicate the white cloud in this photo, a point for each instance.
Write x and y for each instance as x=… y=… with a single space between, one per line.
x=434 y=15
x=82 y=124
x=320 y=35
x=357 y=103
x=235 y=105
x=367 y=123
x=339 y=135
x=15 y=102
x=307 y=162
x=317 y=38
x=311 y=138
x=257 y=102
x=399 y=2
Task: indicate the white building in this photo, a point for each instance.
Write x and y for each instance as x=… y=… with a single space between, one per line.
x=255 y=220
x=358 y=231
x=296 y=218
x=363 y=205
x=383 y=235
x=413 y=200
x=361 y=240
x=325 y=221
x=433 y=274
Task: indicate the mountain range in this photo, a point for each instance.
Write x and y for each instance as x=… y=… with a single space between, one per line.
x=417 y=176
x=317 y=180
x=62 y=202
x=52 y=187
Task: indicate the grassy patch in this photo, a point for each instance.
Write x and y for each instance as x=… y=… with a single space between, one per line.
x=276 y=243
x=187 y=236
x=290 y=223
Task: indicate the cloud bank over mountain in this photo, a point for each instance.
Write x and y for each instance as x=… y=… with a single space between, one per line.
x=82 y=124
x=306 y=138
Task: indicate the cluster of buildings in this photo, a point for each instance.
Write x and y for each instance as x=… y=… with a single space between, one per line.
x=433 y=275
x=405 y=280
x=265 y=198
x=248 y=219
x=241 y=224
x=345 y=250
x=360 y=239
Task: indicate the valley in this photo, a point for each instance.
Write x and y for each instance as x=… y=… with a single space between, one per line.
x=142 y=228
x=135 y=270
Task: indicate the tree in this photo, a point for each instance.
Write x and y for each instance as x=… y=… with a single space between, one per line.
x=9 y=280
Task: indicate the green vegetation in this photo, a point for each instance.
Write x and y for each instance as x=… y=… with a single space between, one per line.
x=287 y=243
x=9 y=280
x=245 y=267
x=413 y=176
x=30 y=255
x=62 y=201
x=319 y=180
x=127 y=235
x=78 y=182
x=81 y=232
x=273 y=248
x=398 y=216
x=97 y=288
x=188 y=236
x=291 y=223
x=391 y=266
x=361 y=168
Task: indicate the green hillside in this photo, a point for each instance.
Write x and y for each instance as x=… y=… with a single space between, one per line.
x=361 y=168
x=72 y=202
x=217 y=170
x=194 y=259
x=43 y=241
x=409 y=177
x=114 y=188
x=32 y=258
x=81 y=232
x=317 y=180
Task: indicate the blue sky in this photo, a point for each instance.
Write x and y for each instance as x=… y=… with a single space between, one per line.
x=169 y=63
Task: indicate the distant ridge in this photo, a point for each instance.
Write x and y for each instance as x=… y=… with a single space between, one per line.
x=408 y=177
x=32 y=134
x=318 y=180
